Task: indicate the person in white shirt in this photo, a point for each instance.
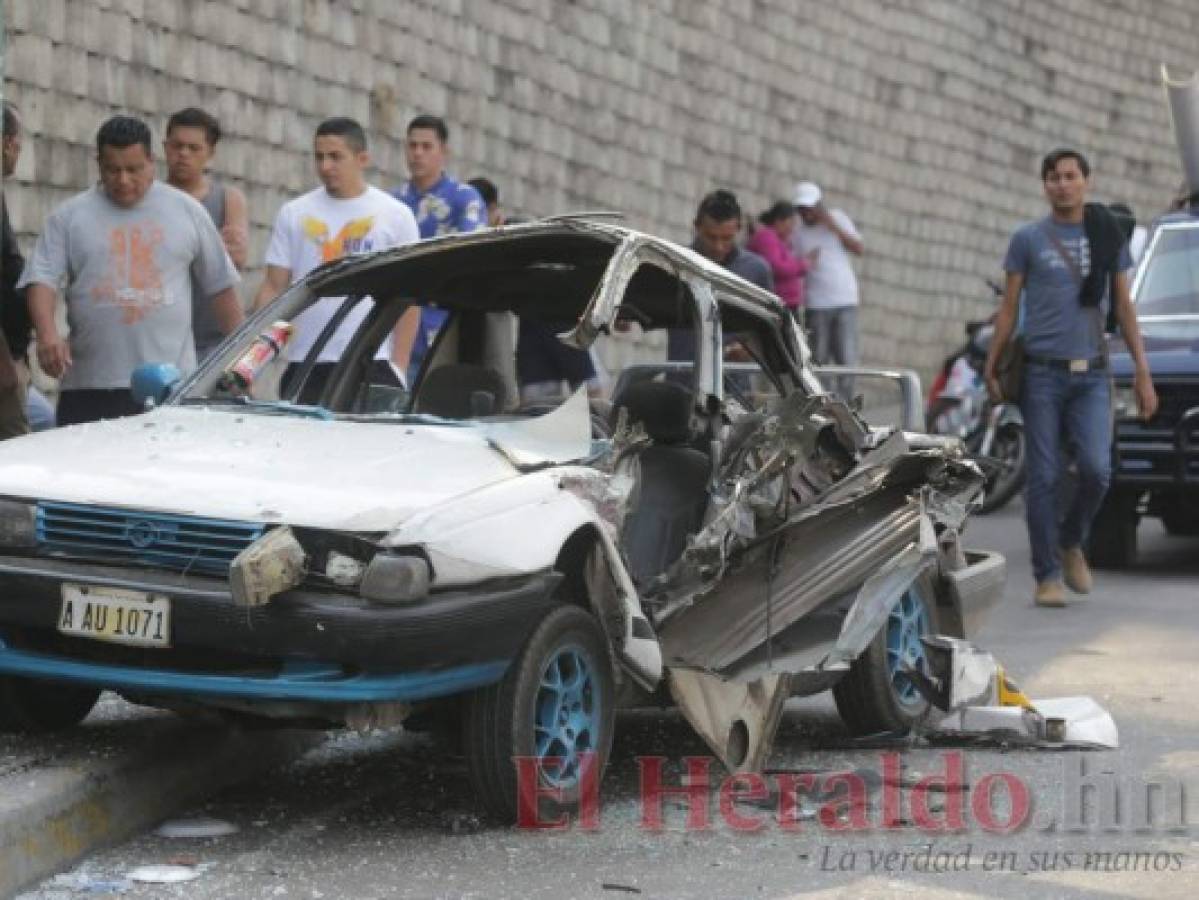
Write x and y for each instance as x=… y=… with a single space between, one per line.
x=345 y=215
x=827 y=237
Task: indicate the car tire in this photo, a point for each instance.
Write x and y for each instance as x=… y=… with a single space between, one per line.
x=1180 y=521
x=31 y=707
x=877 y=695
x=1113 y=542
x=556 y=700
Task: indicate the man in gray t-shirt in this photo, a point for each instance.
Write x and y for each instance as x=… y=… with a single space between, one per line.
x=1066 y=272
x=1057 y=325
x=128 y=251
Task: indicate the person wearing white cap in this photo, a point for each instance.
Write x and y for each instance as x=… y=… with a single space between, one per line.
x=827 y=237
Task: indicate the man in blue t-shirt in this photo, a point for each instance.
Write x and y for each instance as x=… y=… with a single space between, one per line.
x=1069 y=266
x=441 y=205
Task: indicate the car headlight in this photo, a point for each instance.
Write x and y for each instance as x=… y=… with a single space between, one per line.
x=18 y=524
x=396 y=579
x=1124 y=402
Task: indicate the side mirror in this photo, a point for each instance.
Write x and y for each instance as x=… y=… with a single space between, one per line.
x=152 y=383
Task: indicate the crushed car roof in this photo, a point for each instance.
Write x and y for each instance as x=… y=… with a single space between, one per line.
x=590 y=239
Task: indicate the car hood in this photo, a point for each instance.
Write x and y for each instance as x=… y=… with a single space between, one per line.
x=359 y=476
x=1167 y=356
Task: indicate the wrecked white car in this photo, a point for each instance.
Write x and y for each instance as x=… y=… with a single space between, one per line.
x=341 y=550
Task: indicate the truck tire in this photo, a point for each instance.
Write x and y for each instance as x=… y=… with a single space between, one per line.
x=1113 y=543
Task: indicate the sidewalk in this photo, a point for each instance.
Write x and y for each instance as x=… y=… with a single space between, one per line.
x=64 y=796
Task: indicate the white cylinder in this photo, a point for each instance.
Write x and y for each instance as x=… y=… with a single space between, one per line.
x=1183 y=99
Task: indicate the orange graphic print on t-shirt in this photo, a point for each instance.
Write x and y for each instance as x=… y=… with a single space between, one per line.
x=133 y=281
x=352 y=238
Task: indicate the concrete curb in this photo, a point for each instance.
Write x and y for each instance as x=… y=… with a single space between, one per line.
x=52 y=816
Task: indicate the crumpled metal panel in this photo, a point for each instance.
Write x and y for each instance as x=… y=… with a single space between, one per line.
x=816 y=531
x=558 y=437
x=737 y=720
x=783 y=579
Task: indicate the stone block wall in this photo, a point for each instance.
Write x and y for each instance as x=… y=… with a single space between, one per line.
x=923 y=119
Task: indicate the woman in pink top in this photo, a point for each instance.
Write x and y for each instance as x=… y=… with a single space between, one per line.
x=771 y=240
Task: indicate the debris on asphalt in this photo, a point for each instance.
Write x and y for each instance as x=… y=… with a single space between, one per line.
x=164 y=874
x=84 y=882
x=196 y=828
x=461 y=823
x=625 y=888
x=981 y=703
x=1061 y=722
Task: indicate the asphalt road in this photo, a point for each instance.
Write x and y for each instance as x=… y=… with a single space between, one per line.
x=391 y=815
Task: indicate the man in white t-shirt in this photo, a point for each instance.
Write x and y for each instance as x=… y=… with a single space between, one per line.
x=343 y=216
x=827 y=237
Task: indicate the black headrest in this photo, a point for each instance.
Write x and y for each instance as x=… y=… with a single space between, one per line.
x=448 y=391
x=662 y=407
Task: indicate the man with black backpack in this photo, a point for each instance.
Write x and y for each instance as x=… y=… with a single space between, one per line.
x=1069 y=265
x=14 y=315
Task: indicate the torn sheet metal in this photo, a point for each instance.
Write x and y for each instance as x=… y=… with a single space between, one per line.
x=778 y=582
x=877 y=598
x=1086 y=723
x=1059 y=722
x=609 y=495
x=960 y=674
x=558 y=437
x=981 y=702
x=795 y=467
x=801 y=520
x=811 y=540
x=737 y=720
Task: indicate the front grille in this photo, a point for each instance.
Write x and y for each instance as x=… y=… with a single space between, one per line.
x=182 y=543
x=1173 y=401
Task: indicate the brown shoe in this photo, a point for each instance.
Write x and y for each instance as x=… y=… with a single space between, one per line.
x=1075 y=571
x=1049 y=593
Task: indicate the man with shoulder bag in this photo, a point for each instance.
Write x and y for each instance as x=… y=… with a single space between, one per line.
x=1069 y=266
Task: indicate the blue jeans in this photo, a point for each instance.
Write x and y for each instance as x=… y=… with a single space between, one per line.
x=1062 y=407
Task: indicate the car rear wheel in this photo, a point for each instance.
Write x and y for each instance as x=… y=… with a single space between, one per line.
x=879 y=694
x=554 y=706
x=38 y=706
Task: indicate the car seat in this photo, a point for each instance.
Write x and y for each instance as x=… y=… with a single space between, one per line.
x=672 y=490
x=461 y=391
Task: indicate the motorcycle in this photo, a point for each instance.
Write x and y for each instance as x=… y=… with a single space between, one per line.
x=993 y=433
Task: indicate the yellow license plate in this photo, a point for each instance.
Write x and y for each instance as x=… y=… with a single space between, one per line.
x=112 y=614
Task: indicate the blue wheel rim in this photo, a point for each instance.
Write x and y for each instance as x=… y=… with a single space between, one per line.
x=566 y=716
x=907 y=623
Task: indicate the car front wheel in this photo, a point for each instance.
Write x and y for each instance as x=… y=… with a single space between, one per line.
x=879 y=694
x=37 y=706
x=554 y=707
